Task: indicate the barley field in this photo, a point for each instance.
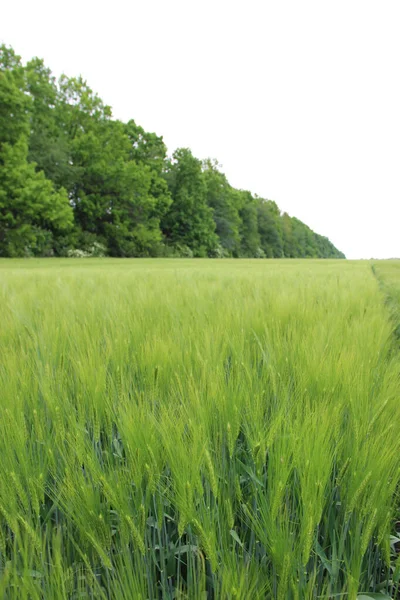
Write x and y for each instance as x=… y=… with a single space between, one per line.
x=199 y=429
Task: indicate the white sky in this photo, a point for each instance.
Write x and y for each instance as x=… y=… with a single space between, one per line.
x=298 y=100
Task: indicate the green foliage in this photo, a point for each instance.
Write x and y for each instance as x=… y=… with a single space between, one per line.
x=270 y=229
x=14 y=103
x=122 y=187
x=222 y=198
x=117 y=198
x=147 y=148
x=249 y=234
x=49 y=146
x=96 y=250
x=189 y=220
x=31 y=210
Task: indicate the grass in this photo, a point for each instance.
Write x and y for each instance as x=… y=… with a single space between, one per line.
x=388 y=275
x=198 y=429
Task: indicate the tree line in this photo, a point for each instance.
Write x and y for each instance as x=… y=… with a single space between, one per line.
x=76 y=182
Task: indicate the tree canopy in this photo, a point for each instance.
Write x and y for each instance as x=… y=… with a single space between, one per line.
x=74 y=180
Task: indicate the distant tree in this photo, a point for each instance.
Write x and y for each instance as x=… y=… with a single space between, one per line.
x=222 y=198
x=15 y=104
x=117 y=198
x=289 y=250
x=299 y=236
x=270 y=228
x=49 y=146
x=326 y=248
x=250 y=243
x=31 y=210
x=74 y=178
x=147 y=148
x=189 y=220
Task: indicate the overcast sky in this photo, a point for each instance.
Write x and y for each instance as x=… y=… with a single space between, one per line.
x=298 y=100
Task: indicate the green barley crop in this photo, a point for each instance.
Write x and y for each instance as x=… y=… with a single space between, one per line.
x=197 y=429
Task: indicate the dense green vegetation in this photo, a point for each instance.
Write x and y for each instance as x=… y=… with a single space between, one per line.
x=76 y=182
x=388 y=274
x=200 y=430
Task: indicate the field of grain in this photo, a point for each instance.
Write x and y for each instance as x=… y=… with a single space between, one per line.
x=198 y=429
